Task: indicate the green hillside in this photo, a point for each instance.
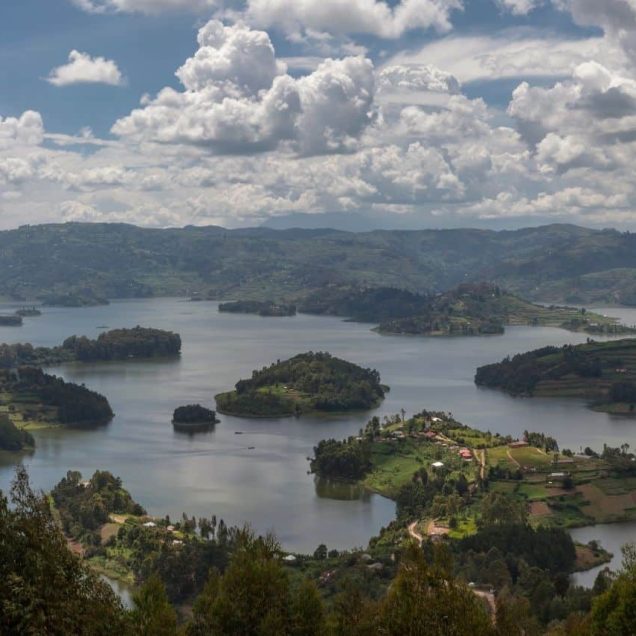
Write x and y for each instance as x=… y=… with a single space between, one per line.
x=557 y=263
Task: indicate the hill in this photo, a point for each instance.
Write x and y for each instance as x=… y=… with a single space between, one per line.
x=602 y=372
x=468 y=309
x=556 y=263
x=306 y=382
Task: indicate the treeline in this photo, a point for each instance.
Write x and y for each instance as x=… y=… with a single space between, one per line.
x=117 y=344
x=341 y=460
x=261 y=308
x=85 y=506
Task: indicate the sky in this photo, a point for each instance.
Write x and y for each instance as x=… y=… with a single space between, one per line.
x=407 y=113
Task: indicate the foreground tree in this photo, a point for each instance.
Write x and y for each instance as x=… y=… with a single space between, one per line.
x=44 y=588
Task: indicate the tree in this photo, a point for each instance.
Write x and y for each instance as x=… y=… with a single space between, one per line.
x=153 y=615
x=320 y=552
x=44 y=588
x=424 y=600
x=500 y=509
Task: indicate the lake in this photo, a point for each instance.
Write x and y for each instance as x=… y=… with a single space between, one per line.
x=268 y=485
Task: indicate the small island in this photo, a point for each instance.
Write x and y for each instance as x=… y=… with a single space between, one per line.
x=261 y=308
x=604 y=373
x=11 y=320
x=305 y=383
x=193 y=417
x=117 y=344
x=470 y=309
x=28 y=312
x=13 y=438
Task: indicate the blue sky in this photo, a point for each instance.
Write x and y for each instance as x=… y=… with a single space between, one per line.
x=492 y=113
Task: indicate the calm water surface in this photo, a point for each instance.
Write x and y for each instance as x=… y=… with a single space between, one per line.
x=268 y=486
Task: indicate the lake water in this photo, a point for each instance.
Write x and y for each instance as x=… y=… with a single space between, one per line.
x=268 y=486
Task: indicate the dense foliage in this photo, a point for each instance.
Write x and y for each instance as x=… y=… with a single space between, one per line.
x=11 y=437
x=85 y=506
x=75 y=404
x=262 y=308
x=11 y=320
x=306 y=382
x=117 y=344
x=595 y=369
x=346 y=460
x=44 y=588
x=193 y=414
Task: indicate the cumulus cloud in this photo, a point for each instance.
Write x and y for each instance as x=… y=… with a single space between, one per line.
x=352 y=16
x=28 y=129
x=84 y=69
x=238 y=98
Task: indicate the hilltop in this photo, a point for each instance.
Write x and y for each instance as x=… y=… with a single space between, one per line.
x=602 y=372
x=555 y=263
x=307 y=382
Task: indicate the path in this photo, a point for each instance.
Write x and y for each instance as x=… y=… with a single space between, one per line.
x=512 y=459
x=414 y=533
x=489 y=597
x=481 y=456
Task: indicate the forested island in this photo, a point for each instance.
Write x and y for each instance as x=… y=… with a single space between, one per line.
x=604 y=373
x=469 y=309
x=74 y=299
x=193 y=417
x=117 y=344
x=307 y=382
x=10 y=320
x=261 y=308
x=34 y=399
x=28 y=312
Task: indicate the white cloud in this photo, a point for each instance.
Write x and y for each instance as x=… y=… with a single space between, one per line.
x=519 y=7
x=27 y=130
x=239 y=99
x=84 y=69
x=144 y=6
x=513 y=53
x=352 y=16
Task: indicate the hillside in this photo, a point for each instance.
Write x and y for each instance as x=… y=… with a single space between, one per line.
x=468 y=309
x=602 y=372
x=557 y=263
x=307 y=382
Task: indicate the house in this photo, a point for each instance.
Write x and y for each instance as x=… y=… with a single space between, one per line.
x=518 y=444
x=150 y=524
x=430 y=434
x=465 y=453
x=437 y=465
x=290 y=558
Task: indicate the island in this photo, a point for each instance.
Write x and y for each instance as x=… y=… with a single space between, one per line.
x=470 y=309
x=116 y=344
x=603 y=373
x=33 y=399
x=193 y=417
x=28 y=312
x=305 y=383
x=261 y=308
x=11 y=320
x=13 y=438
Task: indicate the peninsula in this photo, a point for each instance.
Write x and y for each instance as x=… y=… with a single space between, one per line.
x=470 y=309
x=604 y=373
x=307 y=382
x=261 y=308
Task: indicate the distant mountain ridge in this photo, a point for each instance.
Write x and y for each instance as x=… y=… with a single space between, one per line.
x=555 y=263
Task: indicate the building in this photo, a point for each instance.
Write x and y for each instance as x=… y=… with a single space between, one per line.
x=518 y=444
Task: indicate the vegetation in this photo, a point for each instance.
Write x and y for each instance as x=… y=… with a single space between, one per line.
x=193 y=416
x=85 y=298
x=306 y=382
x=555 y=263
x=117 y=344
x=31 y=395
x=28 y=312
x=602 y=372
x=13 y=320
x=12 y=438
x=262 y=308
